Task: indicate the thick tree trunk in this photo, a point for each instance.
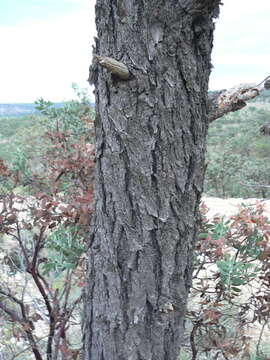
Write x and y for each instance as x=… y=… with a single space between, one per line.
x=150 y=132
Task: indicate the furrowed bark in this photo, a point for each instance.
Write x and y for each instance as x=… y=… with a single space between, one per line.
x=150 y=143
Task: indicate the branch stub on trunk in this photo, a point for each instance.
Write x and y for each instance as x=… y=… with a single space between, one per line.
x=115 y=67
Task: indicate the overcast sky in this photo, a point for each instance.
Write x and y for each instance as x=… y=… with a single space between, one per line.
x=46 y=45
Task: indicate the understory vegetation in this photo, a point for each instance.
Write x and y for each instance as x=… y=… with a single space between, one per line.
x=46 y=179
x=238 y=153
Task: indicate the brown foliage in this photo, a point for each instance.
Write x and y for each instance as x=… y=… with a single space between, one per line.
x=61 y=194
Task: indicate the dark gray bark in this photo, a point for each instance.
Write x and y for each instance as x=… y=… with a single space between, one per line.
x=150 y=133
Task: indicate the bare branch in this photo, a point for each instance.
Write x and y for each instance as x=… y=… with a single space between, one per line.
x=13 y=314
x=51 y=314
x=25 y=323
x=12 y=297
x=38 y=246
x=260 y=338
x=26 y=349
x=225 y=101
x=265 y=129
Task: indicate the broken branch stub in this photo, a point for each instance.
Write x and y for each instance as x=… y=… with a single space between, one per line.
x=224 y=101
x=113 y=66
x=267 y=84
x=265 y=129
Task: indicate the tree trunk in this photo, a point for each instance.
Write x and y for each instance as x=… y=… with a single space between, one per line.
x=150 y=144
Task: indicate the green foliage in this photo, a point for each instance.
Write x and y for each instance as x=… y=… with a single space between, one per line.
x=230 y=294
x=184 y=356
x=21 y=135
x=64 y=249
x=234 y=273
x=46 y=177
x=238 y=155
x=75 y=116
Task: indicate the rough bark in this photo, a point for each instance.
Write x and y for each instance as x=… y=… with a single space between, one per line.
x=150 y=144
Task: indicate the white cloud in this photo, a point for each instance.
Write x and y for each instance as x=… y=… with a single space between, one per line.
x=241 y=47
x=255 y=60
x=43 y=59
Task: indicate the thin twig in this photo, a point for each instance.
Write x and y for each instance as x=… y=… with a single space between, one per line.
x=268 y=77
x=192 y=340
x=26 y=349
x=256 y=185
x=260 y=338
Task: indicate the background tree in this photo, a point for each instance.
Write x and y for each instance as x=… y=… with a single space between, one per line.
x=151 y=74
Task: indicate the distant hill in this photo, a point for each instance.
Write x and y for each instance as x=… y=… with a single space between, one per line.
x=22 y=109
x=11 y=110
x=17 y=109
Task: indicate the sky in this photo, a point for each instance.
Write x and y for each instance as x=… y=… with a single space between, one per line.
x=46 y=45
x=241 y=51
